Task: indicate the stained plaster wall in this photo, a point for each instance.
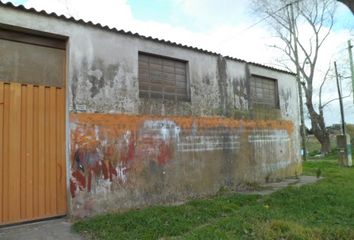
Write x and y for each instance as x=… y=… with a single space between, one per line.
x=125 y=152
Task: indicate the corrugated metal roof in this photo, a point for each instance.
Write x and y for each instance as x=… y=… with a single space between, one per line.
x=98 y=25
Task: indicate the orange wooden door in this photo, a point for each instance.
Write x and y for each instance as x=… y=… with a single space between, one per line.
x=32 y=152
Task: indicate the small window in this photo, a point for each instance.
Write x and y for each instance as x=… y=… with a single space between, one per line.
x=264 y=91
x=161 y=77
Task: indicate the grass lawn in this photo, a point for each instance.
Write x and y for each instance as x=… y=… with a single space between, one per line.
x=324 y=210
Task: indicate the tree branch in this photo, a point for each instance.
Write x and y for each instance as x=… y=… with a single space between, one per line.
x=320 y=91
x=334 y=99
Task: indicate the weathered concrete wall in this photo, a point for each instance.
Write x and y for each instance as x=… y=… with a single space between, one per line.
x=123 y=161
x=125 y=151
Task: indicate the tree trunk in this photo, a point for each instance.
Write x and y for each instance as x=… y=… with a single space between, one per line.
x=326 y=145
x=319 y=128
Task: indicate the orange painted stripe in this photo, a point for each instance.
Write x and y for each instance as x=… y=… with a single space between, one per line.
x=135 y=121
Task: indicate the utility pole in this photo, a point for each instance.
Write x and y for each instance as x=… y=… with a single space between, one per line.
x=302 y=127
x=340 y=100
x=350 y=46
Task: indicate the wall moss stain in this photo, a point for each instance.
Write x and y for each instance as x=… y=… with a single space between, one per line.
x=285 y=94
x=240 y=97
x=104 y=87
x=221 y=73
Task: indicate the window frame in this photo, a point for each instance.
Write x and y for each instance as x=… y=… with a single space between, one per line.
x=187 y=97
x=33 y=38
x=276 y=92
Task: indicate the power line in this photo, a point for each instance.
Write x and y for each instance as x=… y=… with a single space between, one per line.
x=343 y=49
x=268 y=15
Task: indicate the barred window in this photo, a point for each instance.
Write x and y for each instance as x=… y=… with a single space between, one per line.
x=264 y=91
x=162 y=77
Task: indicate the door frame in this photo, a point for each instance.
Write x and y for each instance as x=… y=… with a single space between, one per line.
x=56 y=41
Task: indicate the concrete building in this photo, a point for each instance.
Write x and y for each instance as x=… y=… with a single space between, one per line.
x=93 y=119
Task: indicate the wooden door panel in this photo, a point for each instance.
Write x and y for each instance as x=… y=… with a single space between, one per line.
x=32 y=152
x=1 y=147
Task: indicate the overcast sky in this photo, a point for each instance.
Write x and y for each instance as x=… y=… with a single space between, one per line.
x=222 y=26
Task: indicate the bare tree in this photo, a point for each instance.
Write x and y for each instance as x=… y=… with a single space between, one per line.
x=308 y=29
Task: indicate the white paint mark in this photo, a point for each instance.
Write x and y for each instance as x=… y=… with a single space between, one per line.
x=81 y=108
x=121 y=173
x=177 y=132
x=208 y=143
x=269 y=136
x=165 y=133
x=163 y=129
x=97 y=132
x=126 y=136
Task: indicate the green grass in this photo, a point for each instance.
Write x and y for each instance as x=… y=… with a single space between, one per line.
x=324 y=210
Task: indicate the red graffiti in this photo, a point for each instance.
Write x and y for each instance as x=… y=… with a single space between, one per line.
x=164 y=153
x=108 y=152
x=89 y=181
x=104 y=171
x=97 y=168
x=108 y=172
x=72 y=188
x=131 y=150
x=79 y=181
x=112 y=171
x=129 y=155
